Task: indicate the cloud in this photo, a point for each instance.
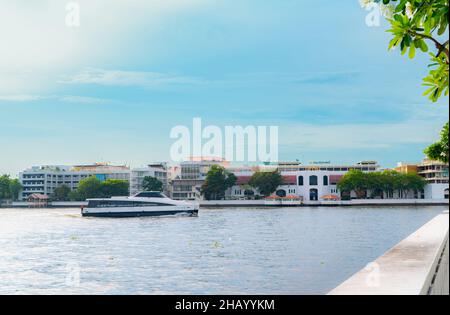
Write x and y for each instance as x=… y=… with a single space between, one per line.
x=130 y=78
x=327 y=77
x=20 y=98
x=39 y=40
x=310 y=78
x=147 y=79
x=358 y=136
x=66 y=98
x=83 y=100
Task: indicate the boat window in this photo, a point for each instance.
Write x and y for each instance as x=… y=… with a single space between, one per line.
x=150 y=194
x=123 y=203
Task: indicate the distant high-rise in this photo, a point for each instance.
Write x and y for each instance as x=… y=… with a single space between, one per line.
x=45 y=179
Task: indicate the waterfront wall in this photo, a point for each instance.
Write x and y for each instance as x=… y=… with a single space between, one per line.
x=55 y=204
x=416 y=266
x=262 y=203
x=348 y=203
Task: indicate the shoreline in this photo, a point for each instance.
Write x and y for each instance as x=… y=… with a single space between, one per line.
x=262 y=203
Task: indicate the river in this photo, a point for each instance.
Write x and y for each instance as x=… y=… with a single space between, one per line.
x=222 y=251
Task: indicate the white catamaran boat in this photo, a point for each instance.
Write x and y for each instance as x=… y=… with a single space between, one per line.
x=149 y=203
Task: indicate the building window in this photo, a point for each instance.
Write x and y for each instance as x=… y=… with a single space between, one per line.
x=325 y=180
x=313 y=180
x=300 y=180
x=314 y=195
x=281 y=193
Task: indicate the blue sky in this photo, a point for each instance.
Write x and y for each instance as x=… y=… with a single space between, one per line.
x=111 y=89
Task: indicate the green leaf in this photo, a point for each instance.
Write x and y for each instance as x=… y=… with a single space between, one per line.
x=398 y=18
x=408 y=40
x=401 y=6
x=443 y=27
x=423 y=46
x=394 y=42
x=412 y=52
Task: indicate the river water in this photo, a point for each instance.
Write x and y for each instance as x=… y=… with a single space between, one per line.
x=223 y=251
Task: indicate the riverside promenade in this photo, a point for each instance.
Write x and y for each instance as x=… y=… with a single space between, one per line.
x=341 y=203
x=418 y=265
x=262 y=203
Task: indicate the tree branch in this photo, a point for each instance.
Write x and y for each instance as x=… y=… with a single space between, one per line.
x=441 y=47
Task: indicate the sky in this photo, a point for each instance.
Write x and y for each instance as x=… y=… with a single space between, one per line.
x=112 y=88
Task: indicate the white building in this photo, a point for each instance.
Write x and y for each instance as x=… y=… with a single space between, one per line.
x=436 y=174
x=156 y=170
x=44 y=179
x=309 y=182
x=186 y=185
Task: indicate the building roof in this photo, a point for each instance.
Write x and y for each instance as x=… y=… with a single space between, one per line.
x=335 y=178
x=243 y=180
x=287 y=180
x=290 y=180
x=38 y=197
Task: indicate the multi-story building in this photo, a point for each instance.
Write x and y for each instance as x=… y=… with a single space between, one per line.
x=407 y=168
x=436 y=174
x=309 y=182
x=192 y=174
x=45 y=179
x=156 y=170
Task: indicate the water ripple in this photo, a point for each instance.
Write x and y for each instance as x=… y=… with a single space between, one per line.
x=223 y=251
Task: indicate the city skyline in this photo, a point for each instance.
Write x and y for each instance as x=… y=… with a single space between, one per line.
x=112 y=88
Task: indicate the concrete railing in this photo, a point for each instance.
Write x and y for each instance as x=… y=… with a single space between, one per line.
x=349 y=203
x=416 y=266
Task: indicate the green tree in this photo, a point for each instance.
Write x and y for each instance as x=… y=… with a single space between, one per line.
x=61 y=193
x=401 y=184
x=380 y=183
x=114 y=187
x=90 y=187
x=15 y=187
x=415 y=182
x=150 y=183
x=388 y=185
x=414 y=25
x=439 y=151
x=375 y=184
x=354 y=180
x=9 y=188
x=75 y=196
x=266 y=182
x=4 y=187
x=218 y=180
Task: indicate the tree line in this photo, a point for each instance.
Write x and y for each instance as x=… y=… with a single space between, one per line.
x=9 y=188
x=92 y=187
x=219 y=180
x=365 y=185
x=379 y=184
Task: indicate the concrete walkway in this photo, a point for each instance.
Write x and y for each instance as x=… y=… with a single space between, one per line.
x=416 y=266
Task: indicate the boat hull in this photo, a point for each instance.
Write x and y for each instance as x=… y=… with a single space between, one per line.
x=139 y=214
x=133 y=213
